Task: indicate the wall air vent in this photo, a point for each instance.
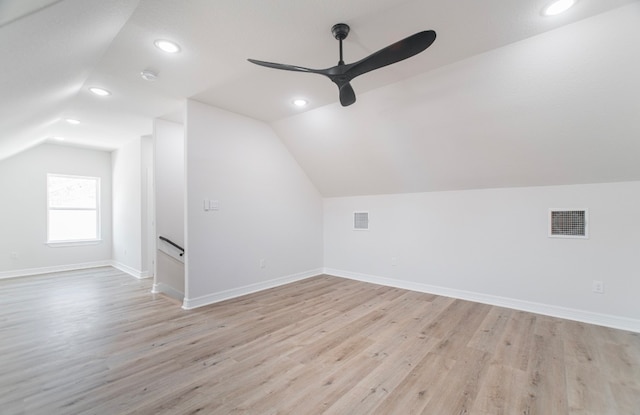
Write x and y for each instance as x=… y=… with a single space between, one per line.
x=568 y=223
x=360 y=221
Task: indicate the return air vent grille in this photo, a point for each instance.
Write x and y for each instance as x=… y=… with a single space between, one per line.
x=360 y=221
x=568 y=223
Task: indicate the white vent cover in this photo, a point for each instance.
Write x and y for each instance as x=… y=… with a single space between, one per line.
x=360 y=221
x=568 y=223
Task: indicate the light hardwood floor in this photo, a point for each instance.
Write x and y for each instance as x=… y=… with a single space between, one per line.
x=98 y=342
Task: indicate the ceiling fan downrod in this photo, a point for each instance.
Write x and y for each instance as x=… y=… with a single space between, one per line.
x=340 y=31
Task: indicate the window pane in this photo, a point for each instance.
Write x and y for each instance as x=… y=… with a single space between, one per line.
x=72 y=192
x=67 y=225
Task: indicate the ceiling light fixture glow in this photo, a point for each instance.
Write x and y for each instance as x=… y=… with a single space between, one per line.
x=167 y=46
x=72 y=121
x=558 y=7
x=300 y=102
x=58 y=138
x=99 y=91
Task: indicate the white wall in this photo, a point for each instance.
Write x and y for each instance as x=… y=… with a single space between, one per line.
x=127 y=207
x=148 y=206
x=269 y=210
x=23 y=209
x=492 y=245
x=168 y=140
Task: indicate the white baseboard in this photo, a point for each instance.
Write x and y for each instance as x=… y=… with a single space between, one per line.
x=190 y=303
x=167 y=290
x=616 y=322
x=56 y=268
x=129 y=270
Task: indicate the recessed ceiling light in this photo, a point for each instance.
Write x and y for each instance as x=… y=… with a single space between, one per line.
x=148 y=75
x=557 y=7
x=72 y=121
x=300 y=102
x=99 y=91
x=167 y=46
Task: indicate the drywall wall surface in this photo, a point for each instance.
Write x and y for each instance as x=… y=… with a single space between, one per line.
x=169 y=169
x=127 y=205
x=171 y=271
x=264 y=218
x=494 y=243
x=23 y=208
x=147 y=206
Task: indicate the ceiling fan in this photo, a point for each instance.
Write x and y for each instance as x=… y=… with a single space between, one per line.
x=342 y=73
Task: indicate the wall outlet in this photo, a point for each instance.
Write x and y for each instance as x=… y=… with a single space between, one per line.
x=13 y=255
x=394 y=261
x=598 y=287
x=263 y=263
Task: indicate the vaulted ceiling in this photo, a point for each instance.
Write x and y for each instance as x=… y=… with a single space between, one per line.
x=504 y=97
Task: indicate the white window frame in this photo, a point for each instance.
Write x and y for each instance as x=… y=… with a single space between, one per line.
x=70 y=242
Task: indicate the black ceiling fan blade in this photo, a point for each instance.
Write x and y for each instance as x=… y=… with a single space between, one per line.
x=285 y=67
x=396 y=52
x=347 y=94
x=342 y=74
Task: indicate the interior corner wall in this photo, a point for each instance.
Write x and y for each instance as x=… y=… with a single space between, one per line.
x=169 y=183
x=492 y=245
x=23 y=210
x=127 y=207
x=267 y=228
x=147 y=215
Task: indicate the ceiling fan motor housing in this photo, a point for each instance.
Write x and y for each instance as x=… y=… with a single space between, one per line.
x=340 y=31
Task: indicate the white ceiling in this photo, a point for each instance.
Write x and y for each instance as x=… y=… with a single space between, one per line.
x=479 y=108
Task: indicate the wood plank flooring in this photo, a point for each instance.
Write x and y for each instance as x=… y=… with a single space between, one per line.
x=98 y=342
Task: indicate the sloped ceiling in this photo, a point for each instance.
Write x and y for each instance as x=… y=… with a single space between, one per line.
x=504 y=97
x=562 y=107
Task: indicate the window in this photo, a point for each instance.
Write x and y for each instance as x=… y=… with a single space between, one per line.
x=73 y=208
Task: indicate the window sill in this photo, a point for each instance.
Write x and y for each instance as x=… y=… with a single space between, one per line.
x=63 y=244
